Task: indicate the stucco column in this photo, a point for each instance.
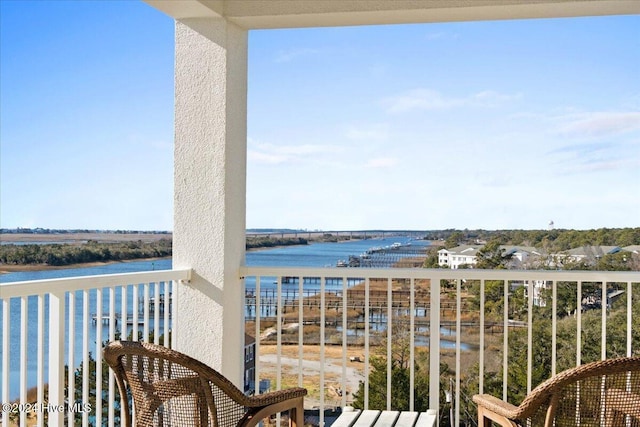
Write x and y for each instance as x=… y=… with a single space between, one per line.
x=210 y=190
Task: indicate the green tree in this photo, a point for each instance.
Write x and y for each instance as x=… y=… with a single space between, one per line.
x=620 y=261
x=491 y=256
x=432 y=258
x=454 y=239
x=400 y=377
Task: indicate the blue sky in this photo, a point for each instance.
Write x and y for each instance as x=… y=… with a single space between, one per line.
x=494 y=125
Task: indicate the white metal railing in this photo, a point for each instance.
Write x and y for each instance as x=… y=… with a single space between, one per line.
x=54 y=326
x=48 y=325
x=282 y=296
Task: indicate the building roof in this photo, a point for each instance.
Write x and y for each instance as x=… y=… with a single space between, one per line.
x=248 y=339
x=594 y=251
x=515 y=249
x=468 y=250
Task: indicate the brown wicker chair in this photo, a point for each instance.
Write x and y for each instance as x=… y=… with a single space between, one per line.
x=169 y=388
x=603 y=393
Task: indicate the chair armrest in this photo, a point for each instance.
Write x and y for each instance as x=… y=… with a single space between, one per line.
x=491 y=408
x=496 y=405
x=266 y=404
x=272 y=397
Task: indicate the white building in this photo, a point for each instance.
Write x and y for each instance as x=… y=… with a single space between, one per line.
x=455 y=257
x=584 y=254
x=522 y=256
x=467 y=255
x=539 y=286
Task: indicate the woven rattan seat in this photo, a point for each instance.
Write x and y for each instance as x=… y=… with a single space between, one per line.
x=169 y=388
x=604 y=394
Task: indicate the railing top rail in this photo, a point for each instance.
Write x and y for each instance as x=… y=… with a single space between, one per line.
x=441 y=273
x=37 y=287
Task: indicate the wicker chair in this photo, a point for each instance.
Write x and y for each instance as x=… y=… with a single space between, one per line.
x=169 y=388
x=603 y=393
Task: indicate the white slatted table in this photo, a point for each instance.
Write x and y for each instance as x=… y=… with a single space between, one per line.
x=370 y=418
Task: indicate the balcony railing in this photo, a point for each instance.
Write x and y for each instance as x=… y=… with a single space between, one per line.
x=327 y=329
x=52 y=336
x=400 y=316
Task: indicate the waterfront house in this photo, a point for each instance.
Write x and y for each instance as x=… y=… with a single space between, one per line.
x=460 y=255
x=587 y=255
x=211 y=40
x=467 y=255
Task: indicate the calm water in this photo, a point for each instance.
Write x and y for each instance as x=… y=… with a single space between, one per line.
x=314 y=255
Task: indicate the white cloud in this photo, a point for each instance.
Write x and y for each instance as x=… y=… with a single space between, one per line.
x=418 y=99
x=266 y=158
x=428 y=99
x=599 y=124
x=268 y=153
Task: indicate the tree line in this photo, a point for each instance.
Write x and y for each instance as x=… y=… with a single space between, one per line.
x=555 y=240
x=269 y=242
x=92 y=251
x=66 y=254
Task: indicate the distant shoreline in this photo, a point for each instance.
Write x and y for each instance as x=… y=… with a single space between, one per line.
x=19 y=268
x=79 y=238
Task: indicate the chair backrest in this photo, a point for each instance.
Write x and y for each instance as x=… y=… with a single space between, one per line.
x=169 y=388
x=603 y=393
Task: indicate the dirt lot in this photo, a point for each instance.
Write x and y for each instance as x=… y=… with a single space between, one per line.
x=311 y=366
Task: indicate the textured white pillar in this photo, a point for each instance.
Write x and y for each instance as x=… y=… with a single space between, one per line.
x=210 y=190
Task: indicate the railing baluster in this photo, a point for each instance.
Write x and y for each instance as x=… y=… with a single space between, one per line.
x=412 y=343
x=389 y=339
x=124 y=312
x=6 y=333
x=278 y=333
x=323 y=309
x=458 y=333
x=71 y=352
x=135 y=309
x=168 y=307
x=156 y=313
x=505 y=348
x=345 y=308
x=98 y=356
x=529 y=334
x=300 y=328
x=578 y=323
x=481 y=349
x=85 y=354
x=554 y=325
x=604 y=308
x=629 y=318
x=40 y=360
x=257 y=335
x=434 y=342
x=24 y=303
x=145 y=311
x=367 y=328
x=112 y=337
